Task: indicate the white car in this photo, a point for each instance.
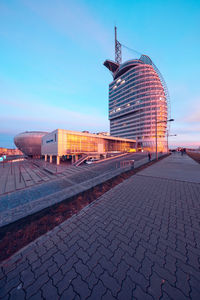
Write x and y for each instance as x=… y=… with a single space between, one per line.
x=90 y=161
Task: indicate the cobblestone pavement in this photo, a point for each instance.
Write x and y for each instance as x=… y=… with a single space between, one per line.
x=139 y=240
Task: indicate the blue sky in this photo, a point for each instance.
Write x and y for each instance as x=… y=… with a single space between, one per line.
x=52 y=53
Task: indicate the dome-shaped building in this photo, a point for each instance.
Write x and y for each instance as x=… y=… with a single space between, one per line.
x=30 y=142
x=138 y=101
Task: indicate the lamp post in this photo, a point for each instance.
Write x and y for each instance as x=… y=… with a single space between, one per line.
x=167 y=139
x=170 y=120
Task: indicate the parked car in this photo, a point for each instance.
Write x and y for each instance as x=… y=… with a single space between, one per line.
x=90 y=161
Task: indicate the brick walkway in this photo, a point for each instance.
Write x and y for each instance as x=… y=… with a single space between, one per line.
x=140 y=240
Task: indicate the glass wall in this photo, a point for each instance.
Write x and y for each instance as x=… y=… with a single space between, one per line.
x=74 y=143
x=79 y=143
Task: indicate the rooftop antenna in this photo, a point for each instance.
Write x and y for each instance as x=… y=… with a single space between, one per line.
x=118 y=50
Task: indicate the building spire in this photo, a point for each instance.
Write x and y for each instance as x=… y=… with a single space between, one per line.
x=118 y=51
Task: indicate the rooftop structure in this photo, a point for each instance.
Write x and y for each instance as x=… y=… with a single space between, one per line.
x=138 y=102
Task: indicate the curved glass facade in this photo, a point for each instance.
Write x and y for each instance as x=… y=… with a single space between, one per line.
x=137 y=98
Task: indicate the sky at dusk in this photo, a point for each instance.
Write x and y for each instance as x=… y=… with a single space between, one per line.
x=52 y=53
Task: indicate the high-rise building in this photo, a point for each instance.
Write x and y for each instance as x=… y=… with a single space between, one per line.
x=138 y=102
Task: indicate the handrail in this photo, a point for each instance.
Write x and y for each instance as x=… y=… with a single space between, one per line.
x=82 y=159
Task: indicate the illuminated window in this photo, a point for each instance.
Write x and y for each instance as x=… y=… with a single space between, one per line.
x=123 y=81
x=118 y=80
x=114 y=87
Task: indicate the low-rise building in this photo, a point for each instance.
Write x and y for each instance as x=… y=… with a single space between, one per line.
x=62 y=142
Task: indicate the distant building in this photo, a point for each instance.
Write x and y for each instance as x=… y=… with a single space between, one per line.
x=138 y=97
x=103 y=133
x=6 y=151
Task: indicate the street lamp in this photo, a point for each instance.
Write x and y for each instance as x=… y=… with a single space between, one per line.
x=170 y=120
x=167 y=139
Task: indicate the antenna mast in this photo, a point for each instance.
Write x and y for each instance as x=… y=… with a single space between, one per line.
x=118 y=50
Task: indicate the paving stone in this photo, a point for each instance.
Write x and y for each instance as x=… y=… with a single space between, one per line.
x=43 y=267
x=117 y=257
x=165 y=296
x=138 y=293
x=132 y=262
x=69 y=264
x=68 y=294
x=164 y=274
x=35 y=287
x=36 y=296
x=36 y=264
x=17 y=294
x=81 y=287
x=92 y=280
x=15 y=272
x=32 y=257
x=146 y=268
x=65 y=282
x=81 y=254
x=94 y=260
x=27 y=278
x=48 y=255
x=121 y=272
x=194 y=294
x=138 y=279
x=98 y=291
x=52 y=269
x=173 y=292
x=110 y=283
x=56 y=277
x=108 y=296
x=82 y=270
x=182 y=282
x=155 y=286
x=126 y=290
x=98 y=270
x=107 y=265
x=13 y=283
x=59 y=258
x=49 y=291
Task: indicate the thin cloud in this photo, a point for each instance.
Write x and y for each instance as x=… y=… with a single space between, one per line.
x=193 y=111
x=73 y=20
x=31 y=114
x=194 y=117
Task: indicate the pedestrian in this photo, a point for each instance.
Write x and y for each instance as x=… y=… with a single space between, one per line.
x=149 y=156
x=182 y=151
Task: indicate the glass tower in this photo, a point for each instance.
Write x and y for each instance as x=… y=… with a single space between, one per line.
x=138 y=101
